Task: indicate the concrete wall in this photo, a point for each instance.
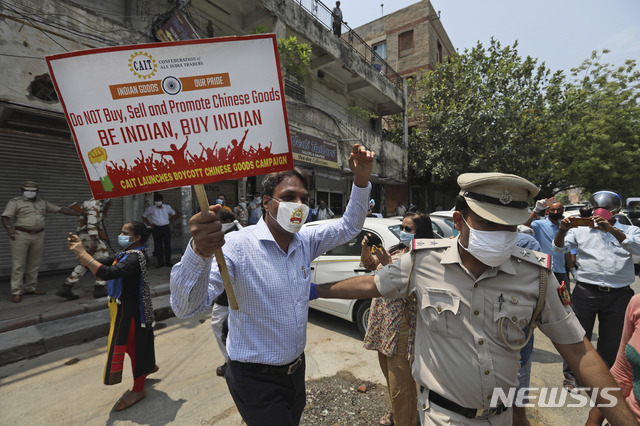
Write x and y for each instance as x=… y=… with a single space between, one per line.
x=427 y=31
x=300 y=22
x=59 y=26
x=52 y=27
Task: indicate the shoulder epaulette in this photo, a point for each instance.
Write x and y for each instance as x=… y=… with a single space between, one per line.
x=428 y=243
x=541 y=259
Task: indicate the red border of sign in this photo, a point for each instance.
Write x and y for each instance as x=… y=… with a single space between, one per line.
x=161 y=186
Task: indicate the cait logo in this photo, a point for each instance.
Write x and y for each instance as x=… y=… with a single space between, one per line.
x=142 y=65
x=296 y=216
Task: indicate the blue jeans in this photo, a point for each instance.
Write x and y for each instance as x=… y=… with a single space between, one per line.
x=524 y=373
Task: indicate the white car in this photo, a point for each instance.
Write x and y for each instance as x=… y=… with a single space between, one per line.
x=344 y=262
x=442 y=222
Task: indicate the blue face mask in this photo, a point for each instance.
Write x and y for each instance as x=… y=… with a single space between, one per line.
x=123 y=240
x=406 y=237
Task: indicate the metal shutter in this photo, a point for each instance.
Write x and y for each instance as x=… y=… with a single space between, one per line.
x=54 y=165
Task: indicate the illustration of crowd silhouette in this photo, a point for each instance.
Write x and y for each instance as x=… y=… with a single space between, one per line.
x=181 y=158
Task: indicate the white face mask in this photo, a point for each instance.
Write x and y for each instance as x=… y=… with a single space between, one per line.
x=158 y=203
x=492 y=248
x=29 y=194
x=291 y=216
x=227 y=226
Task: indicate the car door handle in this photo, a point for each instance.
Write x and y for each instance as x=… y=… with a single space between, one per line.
x=361 y=270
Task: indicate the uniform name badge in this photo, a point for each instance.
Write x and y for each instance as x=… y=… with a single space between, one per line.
x=563 y=292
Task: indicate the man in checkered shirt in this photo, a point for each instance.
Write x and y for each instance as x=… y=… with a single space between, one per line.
x=270 y=268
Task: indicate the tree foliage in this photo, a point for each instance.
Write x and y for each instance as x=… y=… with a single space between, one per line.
x=294 y=57
x=488 y=109
x=599 y=131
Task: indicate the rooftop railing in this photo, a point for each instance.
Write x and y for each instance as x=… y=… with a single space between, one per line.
x=324 y=15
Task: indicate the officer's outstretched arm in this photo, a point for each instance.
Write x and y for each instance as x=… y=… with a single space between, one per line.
x=592 y=373
x=362 y=287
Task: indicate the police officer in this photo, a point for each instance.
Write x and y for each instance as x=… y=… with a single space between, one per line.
x=475 y=294
x=27 y=237
x=91 y=233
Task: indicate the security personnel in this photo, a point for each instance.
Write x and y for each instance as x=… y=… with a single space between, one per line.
x=91 y=233
x=475 y=294
x=159 y=217
x=27 y=237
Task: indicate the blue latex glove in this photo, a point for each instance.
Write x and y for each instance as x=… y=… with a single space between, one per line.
x=313 y=291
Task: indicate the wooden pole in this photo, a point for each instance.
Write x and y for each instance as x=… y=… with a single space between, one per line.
x=222 y=265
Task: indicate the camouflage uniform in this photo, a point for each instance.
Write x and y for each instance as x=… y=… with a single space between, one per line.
x=93 y=211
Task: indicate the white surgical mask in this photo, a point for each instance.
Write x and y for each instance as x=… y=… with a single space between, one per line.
x=291 y=216
x=492 y=248
x=124 y=241
x=406 y=237
x=227 y=226
x=158 y=203
x=29 y=194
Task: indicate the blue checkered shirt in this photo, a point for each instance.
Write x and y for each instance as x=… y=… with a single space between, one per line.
x=271 y=286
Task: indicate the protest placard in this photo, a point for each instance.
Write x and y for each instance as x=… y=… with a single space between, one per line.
x=156 y=116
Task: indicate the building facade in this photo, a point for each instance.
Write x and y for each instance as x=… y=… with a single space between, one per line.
x=37 y=143
x=411 y=40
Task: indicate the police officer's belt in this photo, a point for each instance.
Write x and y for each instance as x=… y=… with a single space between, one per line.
x=470 y=413
x=28 y=231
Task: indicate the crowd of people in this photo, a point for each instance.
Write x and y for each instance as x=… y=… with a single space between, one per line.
x=452 y=320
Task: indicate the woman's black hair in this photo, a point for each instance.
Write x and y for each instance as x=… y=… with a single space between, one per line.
x=422 y=223
x=139 y=229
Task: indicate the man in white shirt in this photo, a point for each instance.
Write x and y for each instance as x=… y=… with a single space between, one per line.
x=270 y=267
x=159 y=217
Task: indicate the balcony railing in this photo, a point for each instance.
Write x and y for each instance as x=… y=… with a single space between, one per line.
x=323 y=15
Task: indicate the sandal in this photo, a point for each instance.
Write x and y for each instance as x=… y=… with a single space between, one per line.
x=129 y=401
x=571 y=387
x=387 y=420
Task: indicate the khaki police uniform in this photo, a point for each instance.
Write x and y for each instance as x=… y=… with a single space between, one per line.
x=469 y=329
x=26 y=249
x=93 y=212
x=459 y=353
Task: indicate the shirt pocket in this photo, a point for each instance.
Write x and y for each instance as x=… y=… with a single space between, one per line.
x=512 y=318
x=442 y=312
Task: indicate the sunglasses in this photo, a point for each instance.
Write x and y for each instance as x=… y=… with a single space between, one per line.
x=405 y=228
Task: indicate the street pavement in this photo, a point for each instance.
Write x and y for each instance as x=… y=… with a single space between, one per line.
x=40 y=324
x=64 y=387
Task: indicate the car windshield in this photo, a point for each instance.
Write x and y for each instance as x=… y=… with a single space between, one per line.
x=633 y=205
x=395 y=229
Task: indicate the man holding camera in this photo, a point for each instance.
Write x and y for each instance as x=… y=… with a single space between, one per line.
x=605 y=270
x=476 y=292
